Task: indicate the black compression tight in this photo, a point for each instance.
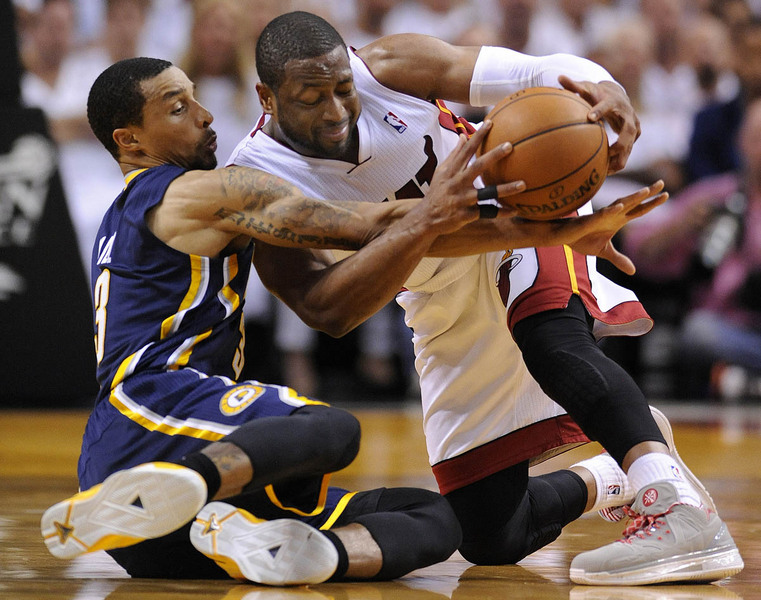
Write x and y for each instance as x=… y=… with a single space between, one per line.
x=562 y=355
x=312 y=441
x=414 y=528
x=509 y=515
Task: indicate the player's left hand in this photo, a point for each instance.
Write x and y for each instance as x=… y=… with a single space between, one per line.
x=612 y=218
x=610 y=102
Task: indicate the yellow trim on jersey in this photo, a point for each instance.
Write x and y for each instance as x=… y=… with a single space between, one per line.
x=571 y=269
x=127 y=366
x=338 y=510
x=131 y=175
x=183 y=358
x=320 y=500
x=455 y=121
x=197 y=268
x=228 y=292
x=143 y=416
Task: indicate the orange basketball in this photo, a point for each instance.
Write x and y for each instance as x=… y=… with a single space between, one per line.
x=557 y=151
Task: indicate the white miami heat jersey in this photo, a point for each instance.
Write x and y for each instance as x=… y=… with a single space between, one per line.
x=402 y=140
x=482 y=410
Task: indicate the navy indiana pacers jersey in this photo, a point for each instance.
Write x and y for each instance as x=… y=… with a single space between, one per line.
x=158 y=309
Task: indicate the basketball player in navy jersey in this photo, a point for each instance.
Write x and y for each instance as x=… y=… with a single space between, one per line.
x=505 y=341
x=173 y=431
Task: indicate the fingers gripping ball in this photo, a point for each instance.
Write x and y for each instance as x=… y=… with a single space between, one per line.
x=557 y=151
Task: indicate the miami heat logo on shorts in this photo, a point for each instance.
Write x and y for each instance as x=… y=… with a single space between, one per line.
x=508 y=263
x=239 y=398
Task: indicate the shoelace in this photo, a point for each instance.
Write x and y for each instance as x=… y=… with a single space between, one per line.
x=641 y=525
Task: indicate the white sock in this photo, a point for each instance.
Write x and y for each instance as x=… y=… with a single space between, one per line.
x=613 y=487
x=654 y=467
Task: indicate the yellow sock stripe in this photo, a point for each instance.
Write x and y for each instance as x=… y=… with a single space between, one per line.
x=571 y=269
x=338 y=510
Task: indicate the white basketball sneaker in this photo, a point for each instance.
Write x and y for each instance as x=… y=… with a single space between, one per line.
x=618 y=513
x=147 y=501
x=666 y=541
x=278 y=552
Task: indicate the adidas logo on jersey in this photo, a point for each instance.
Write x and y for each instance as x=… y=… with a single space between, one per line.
x=104 y=250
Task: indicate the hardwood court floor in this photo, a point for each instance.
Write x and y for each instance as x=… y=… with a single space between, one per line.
x=38 y=453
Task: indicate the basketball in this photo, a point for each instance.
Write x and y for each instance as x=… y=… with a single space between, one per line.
x=557 y=151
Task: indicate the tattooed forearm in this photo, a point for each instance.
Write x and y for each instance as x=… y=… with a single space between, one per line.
x=273 y=210
x=263 y=230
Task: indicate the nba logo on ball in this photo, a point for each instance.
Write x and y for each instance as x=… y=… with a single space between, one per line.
x=560 y=154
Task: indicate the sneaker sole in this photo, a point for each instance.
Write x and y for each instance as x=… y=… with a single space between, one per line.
x=695 y=567
x=279 y=552
x=147 y=501
x=668 y=434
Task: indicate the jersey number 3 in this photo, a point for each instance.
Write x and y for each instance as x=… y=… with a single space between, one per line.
x=100 y=300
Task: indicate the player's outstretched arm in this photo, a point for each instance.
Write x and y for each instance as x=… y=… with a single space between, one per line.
x=589 y=234
x=204 y=211
x=335 y=297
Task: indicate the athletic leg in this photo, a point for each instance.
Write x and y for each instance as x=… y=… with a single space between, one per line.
x=562 y=355
x=412 y=528
x=508 y=515
x=276 y=436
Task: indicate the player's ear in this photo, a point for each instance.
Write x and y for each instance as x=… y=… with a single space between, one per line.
x=266 y=98
x=125 y=139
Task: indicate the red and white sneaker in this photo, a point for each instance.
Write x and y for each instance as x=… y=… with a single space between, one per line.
x=617 y=513
x=666 y=541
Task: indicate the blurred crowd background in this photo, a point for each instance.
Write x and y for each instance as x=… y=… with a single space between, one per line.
x=691 y=67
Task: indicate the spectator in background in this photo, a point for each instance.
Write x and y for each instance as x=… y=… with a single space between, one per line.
x=514 y=23
x=628 y=54
x=57 y=78
x=668 y=84
x=366 y=24
x=167 y=29
x=709 y=237
x=732 y=12
x=445 y=19
x=708 y=50
x=220 y=63
x=570 y=26
x=713 y=148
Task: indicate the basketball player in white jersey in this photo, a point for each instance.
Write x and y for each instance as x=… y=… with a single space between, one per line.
x=505 y=339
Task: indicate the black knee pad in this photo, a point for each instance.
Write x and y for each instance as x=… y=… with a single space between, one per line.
x=571 y=380
x=562 y=355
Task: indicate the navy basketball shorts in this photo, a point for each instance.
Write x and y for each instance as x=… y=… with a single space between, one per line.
x=162 y=416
